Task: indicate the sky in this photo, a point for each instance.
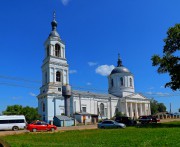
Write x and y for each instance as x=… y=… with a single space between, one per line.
x=94 y=32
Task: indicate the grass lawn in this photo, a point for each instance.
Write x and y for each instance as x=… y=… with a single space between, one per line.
x=166 y=134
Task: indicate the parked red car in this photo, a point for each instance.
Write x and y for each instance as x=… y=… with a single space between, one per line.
x=148 y=119
x=40 y=126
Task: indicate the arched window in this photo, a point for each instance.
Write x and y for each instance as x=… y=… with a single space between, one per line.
x=43 y=107
x=112 y=83
x=130 y=81
x=102 y=109
x=47 y=50
x=46 y=77
x=57 y=50
x=121 y=80
x=58 y=76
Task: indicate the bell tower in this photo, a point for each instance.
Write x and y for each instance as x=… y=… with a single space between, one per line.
x=55 y=74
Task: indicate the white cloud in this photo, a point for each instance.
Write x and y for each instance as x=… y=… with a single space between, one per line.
x=32 y=94
x=92 y=63
x=65 y=2
x=16 y=98
x=88 y=83
x=151 y=88
x=149 y=93
x=72 y=71
x=159 y=94
x=104 y=70
x=162 y=87
x=162 y=94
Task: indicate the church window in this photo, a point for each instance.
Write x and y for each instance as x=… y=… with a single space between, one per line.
x=47 y=50
x=121 y=80
x=83 y=109
x=112 y=82
x=105 y=112
x=58 y=76
x=102 y=109
x=46 y=77
x=130 y=81
x=43 y=107
x=57 y=50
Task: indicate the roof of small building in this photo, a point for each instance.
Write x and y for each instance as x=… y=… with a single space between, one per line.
x=63 y=117
x=82 y=113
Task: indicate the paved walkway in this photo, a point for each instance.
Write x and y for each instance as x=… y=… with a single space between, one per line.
x=83 y=127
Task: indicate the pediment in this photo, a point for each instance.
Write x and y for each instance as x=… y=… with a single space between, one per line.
x=136 y=96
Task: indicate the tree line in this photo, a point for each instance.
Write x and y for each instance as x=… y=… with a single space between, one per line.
x=30 y=113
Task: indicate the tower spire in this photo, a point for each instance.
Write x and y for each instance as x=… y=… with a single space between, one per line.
x=54 y=15
x=54 y=23
x=119 y=63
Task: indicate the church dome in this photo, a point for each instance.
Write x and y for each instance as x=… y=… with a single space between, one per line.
x=54 y=33
x=120 y=68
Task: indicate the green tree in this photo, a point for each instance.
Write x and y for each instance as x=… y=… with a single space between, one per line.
x=157 y=107
x=13 y=110
x=161 y=107
x=29 y=112
x=170 y=61
x=118 y=114
x=154 y=106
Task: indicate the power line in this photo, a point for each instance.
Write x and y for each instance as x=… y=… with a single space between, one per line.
x=19 y=79
x=75 y=87
x=16 y=85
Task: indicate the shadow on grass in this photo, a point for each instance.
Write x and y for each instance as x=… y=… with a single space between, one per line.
x=4 y=143
x=160 y=125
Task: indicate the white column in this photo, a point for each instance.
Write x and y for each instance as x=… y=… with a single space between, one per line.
x=131 y=110
x=149 y=109
x=145 y=112
x=136 y=110
x=126 y=111
x=140 y=110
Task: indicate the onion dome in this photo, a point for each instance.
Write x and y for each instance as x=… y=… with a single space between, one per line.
x=120 y=68
x=54 y=33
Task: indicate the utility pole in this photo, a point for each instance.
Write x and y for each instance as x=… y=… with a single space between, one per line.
x=170 y=109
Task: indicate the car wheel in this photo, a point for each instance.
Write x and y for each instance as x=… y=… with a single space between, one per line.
x=15 y=128
x=34 y=130
x=102 y=127
x=52 y=129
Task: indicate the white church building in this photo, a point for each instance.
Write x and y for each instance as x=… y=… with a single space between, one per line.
x=121 y=95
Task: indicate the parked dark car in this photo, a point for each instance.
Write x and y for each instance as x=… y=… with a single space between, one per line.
x=110 y=124
x=126 y=120
x=148 y=119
